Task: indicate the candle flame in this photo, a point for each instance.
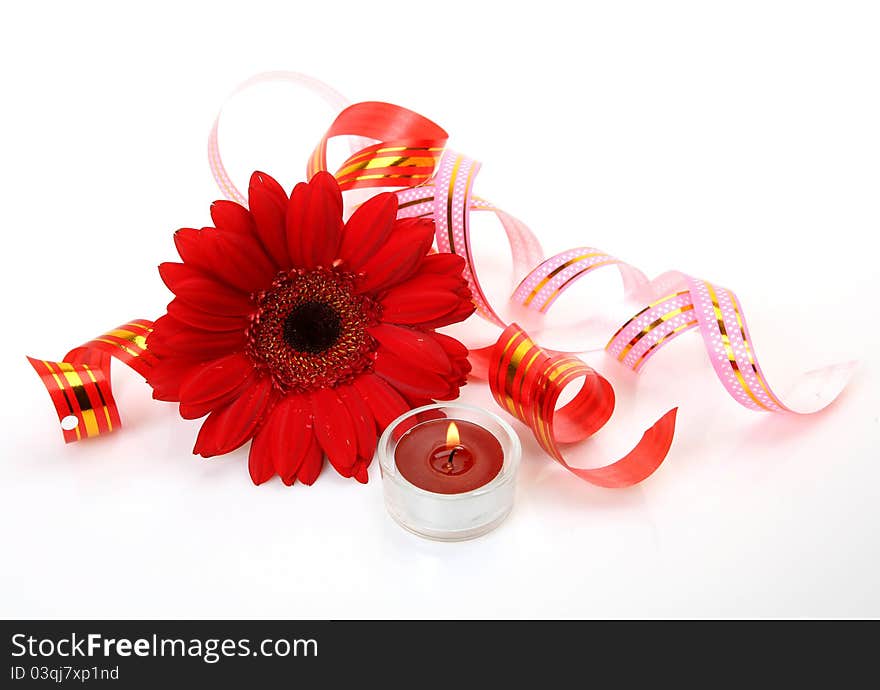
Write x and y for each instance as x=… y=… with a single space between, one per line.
x=452 y=438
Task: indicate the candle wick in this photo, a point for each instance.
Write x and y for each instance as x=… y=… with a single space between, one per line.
x=451 y=456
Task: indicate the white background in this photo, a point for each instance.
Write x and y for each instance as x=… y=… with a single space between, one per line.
x=738 y=142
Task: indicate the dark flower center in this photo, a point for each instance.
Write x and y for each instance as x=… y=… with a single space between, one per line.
x=312 y=327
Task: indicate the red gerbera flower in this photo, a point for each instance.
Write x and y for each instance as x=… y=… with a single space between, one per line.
x=305 y=334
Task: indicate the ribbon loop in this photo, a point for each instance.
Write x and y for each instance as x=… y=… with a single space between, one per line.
x=717 y=313
x=325 y=92
x=527 y=381
x=79 y=386
x=407 y=153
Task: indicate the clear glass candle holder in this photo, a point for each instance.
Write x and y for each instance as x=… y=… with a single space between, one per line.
x=449 y=516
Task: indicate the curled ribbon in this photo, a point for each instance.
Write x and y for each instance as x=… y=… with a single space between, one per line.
x=527 y=381
x=79 y=385
x=396 y=148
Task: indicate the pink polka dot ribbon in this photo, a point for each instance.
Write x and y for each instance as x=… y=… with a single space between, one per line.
x=717 y=314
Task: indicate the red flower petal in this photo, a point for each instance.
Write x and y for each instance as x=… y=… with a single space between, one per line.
x=242 y=263
x=232 y=217
x=201 y=319
x=411 y=345
x=234 y=258
x=463 y=311
x=414 y=402
x=295 y=222
x=408 y=378
x=312 y=464
x=204 y=293
x=461 y=365
x=200 y=409
x=458 y=354
x=314 y=222
x=404 y=307
x=283 y=443
x=164 y=327
x=230 y=427
x=453 y=347
x=171 y=337
x=384 y=402
x=367 y=229
x=430 y=298
x=268 y=204
x=261 y=465
x=359 y=471
x=334 y=430
x=167 y=374
x=444 y=264
x=362 y=419
x=431 y=282
x=400 y=256
x=216 y=378
x=197 y=248
x=197 y=409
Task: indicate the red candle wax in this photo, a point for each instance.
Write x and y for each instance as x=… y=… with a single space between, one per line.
x=431 y=457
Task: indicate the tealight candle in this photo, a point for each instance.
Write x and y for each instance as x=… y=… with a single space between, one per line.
x=449 y=470
x=448 y=456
